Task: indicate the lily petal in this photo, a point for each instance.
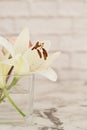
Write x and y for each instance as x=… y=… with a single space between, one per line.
x=34 y=61
x=6 y=45
x=22 y=42
x=49 y=73
x=21 y=66
x=11 y=61
x=51 y=59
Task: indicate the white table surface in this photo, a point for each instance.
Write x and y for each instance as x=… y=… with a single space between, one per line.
x=57 y=106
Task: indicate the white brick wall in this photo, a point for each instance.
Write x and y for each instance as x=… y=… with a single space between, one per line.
x=13 y=8
x=64 y=22
x=72 y=8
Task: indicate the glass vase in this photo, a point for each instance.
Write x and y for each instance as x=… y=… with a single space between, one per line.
x=16 y=99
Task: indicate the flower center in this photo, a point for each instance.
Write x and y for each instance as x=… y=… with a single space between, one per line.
x=41 y=50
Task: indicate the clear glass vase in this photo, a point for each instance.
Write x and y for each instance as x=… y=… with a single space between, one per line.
x=16 y=99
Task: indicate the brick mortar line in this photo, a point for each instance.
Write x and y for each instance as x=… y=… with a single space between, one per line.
x=72 y=52
x=71 y=79
x=47 y=17
x=70 y=69
x=44 y=34
x=10 y=0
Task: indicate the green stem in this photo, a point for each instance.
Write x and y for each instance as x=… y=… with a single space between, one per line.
x=12 y=102
x=9 y=87
x=15 y=80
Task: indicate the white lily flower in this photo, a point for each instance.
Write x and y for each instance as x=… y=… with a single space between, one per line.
x=38 y=63
x=30 y=60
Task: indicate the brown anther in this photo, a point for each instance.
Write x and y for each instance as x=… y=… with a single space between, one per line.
x=33 y=48
x=39 y=53
x=45 y=54
x=36 y=46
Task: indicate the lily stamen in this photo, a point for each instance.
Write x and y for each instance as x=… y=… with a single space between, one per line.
x=45 y=54
x=36 y=46
x=39 y=53
x=40 y=46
